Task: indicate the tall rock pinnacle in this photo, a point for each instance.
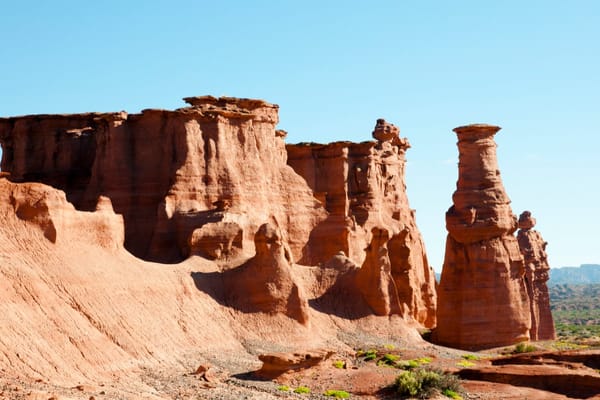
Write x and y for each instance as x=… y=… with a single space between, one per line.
x=483 y=301
x=533 y=248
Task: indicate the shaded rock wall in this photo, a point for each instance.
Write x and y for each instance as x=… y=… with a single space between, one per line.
x=533 y=248
x=482 y=299
x=363 y=189
x=169 y=172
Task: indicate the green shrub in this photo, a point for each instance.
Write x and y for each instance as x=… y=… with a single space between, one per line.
x=284 y=388
x=338 y=394
x=370 y=355
x=424 y=360
x=471 y=357
x=388 y=359
x=523 y=348
x=339 y=364
x=408 y=364
x=452 y=394
x=424 y=383
x=465 y=364
x=302 y=390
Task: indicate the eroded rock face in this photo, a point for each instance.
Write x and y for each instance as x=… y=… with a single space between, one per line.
x=533 y=248
x=482 y=299
x=202 y=180
x=265 y=282
x=363 y=189
x=169 y=172
x=277 y=364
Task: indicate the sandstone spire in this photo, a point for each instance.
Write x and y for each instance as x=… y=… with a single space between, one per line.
x=482 y=297
x=533 y=248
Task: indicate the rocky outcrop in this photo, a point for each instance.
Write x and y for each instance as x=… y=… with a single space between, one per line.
x=265 y=282
x=204 y=180
x=363 y=189
x=482 y=299
x=277 y=364
x=169 y=172
x=533 y=248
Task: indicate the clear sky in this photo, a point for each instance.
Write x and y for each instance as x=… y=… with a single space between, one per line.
x=334 y=67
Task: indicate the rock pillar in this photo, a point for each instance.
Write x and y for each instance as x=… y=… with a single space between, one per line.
x=482 y=299
x=533 y=248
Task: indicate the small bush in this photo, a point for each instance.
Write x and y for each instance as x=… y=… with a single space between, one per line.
x=389 y=347
x=339 y=364
x=284 y=388
x=302 y=390
x=370 y=355
x=452 y=394
x=523 y=348
x=388 y=359
x=424 y=383
x=408 y=365
x=424 y=360
x=465 y=364
x=471 y=357
x=338 y=394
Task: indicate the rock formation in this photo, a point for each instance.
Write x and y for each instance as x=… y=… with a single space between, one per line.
x=482 y=299
x=219 y=161
x=533 y=248
x=277 y=364
x=265 y=282
x=204 y=180
x=363 y=189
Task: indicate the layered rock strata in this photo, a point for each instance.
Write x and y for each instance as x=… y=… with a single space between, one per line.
x=265 y=282
x=533 y=248
x=369 y=220
x=216 y=164
x=482 y=299
x=212 y=180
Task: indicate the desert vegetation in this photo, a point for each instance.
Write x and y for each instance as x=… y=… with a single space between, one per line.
x=576 y=313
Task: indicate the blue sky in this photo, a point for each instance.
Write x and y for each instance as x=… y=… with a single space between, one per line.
x=334 y=67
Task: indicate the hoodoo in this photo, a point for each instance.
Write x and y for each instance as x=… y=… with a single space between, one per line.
x=482 y=299
x=533 y=248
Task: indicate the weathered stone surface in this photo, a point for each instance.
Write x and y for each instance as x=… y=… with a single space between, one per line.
x=276 y=364
x=265 y=282
x=533 y=248
x=216 y=240
x=570 y=373
x=169 y=172
x=363 y=189
x=374 y=279
x=482 y=299
x=203 y=180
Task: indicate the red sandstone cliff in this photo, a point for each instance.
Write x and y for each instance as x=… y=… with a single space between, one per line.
x=202 y=179
x=207 y=189
x=482 y=299
x=219 y=161
x=533 y=248
x=363 y=189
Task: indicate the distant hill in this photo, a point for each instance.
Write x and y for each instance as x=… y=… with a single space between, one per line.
x=582 y=275
x=585 y=274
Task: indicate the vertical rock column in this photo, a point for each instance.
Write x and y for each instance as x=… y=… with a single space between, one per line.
x=482 y=299
x=533 y=248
